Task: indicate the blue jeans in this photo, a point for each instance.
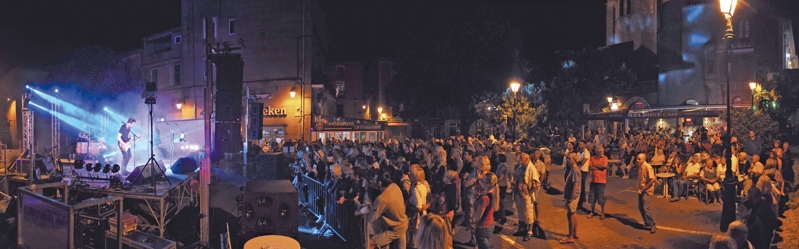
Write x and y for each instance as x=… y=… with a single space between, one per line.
x=482 y=235
x=646 y=212
x=678 y=186
x=583 y=195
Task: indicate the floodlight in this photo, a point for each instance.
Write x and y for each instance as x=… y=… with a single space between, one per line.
x=78 y=164
x=115 y=168
x=97 y=167
x=107 y=168
x=89 y=167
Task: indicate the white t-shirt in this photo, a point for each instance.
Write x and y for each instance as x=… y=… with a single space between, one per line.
x=419 y=197
x=585 y=155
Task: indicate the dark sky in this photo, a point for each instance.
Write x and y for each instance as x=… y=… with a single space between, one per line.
x=34 y=33
x=376 y=28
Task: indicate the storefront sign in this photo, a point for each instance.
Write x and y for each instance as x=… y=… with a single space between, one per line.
x=341 y=124
x=274 y=112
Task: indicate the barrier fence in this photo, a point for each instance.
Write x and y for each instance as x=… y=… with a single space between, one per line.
x=340 y=219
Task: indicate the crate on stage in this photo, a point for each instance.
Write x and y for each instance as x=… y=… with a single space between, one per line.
x=129 y=223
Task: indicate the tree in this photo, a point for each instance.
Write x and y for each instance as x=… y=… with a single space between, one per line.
x=585 y=77
x=99 y=69
x=526 y=107
x=779 y=97
x=451 y=64
x=745 y=120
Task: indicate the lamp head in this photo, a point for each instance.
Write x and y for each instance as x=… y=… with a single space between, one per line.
x=610 y=99
x=293 y=91
x=514 y=86
x=728 y=7
x=179 y=105
x=380 y=110
x=752 y=85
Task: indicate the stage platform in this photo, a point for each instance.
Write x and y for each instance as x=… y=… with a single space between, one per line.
x=161 y=203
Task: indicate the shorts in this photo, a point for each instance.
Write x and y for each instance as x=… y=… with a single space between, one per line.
x=597 y=193
x=571 y=206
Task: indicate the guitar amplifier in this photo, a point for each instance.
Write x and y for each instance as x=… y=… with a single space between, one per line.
x=269 y=207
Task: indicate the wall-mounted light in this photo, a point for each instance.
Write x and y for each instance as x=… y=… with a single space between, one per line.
x=293 y=91
x=179 y=105
x=364 y=107
x=380 y=110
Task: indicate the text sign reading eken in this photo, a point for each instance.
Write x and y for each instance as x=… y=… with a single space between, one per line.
x=274 y=112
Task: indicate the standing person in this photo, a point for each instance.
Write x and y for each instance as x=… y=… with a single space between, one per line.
x=566 y=166
x=571 y=193
x=123 y=139
x=646 y=188
x=418 y=201
x=388 y=215
x=524 y=177
x=753 y=145
x=599 y=176
x=481 y=166
x=536 y=191
x=433 y=233
x=585 y=161
x=502 y=181
x=487 y=202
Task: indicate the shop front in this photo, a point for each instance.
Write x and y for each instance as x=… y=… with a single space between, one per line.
x=352 y=129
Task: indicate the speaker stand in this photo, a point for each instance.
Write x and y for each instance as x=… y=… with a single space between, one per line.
x=152 y=163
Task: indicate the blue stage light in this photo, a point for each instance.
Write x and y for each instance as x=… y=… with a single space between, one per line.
x=56 y=90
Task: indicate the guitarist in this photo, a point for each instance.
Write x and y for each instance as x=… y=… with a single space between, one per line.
x=124 y=139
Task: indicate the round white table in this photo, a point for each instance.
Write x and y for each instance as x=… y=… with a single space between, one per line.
x=665 y=188
x=272 y=242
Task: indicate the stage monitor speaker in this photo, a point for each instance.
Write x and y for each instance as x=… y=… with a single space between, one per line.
x=145 y=173
x=184 y=165
x=270 y=208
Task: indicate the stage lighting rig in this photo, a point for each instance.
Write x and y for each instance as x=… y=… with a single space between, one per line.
x=150 y=89
x=97 y=167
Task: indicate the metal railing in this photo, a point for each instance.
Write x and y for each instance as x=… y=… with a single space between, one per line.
x=340 y=219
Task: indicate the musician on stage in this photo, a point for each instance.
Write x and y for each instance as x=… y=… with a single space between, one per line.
x=124 y=138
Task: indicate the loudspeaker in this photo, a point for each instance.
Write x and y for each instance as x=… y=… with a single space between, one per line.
x=229 y=71
x=270 y=166
x=228 y=106
x=227 y=139
x=269 y=208
x=145 y=173
x=184 y=165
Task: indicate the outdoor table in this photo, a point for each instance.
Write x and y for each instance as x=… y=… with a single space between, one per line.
x=272 y=241
x=656 y=166
x=665 y=188
x=611 y=162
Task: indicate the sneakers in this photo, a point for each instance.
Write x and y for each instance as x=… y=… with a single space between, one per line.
x=653 y=229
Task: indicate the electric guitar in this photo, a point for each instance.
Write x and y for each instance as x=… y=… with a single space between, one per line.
x=125 y=146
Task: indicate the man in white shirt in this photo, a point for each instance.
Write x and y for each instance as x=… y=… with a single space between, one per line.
x=585 y=156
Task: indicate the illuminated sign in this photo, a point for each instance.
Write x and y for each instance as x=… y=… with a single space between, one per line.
x=274 y=112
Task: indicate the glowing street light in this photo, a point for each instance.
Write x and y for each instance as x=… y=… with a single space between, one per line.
x=727 y=8
x=514 y=86
x=752 y=86
x=179 y=105
x=380 y=110
x=293 y=91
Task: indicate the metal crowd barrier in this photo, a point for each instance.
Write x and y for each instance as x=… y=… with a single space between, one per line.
x=340 y=219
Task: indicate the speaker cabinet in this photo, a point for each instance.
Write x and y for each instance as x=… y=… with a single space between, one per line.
x=269 y=208
x=146 y=172
x=270 y=166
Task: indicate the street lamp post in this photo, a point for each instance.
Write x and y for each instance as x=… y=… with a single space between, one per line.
x=752 y=86
x=730 y=182
x=514 y=87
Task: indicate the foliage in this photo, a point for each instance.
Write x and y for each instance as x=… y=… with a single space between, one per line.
x=779 y=97
x=745 y=120
x=523 y=109
x=452 y=64
x=585 y=77
x=99 y=69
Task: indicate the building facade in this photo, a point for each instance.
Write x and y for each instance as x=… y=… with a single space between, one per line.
x=282 y=45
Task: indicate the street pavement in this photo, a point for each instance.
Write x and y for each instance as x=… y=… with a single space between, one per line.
x=682 y=224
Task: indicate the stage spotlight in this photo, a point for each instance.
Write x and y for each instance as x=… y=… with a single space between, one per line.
x=107 y=168
x=89 y=166
x=78 y=164
x=115 y=169
x=56 y=90
x=105 y=108
x=97 y=167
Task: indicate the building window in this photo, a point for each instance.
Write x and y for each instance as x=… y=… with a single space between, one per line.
x=214 y=27
x=339 y=72
x=154 y=75
x=339 y=89
x=176 y=74
x=231 y=25
x=743 y=29
x=205 y=28
x=621 y=7
x=177 y=39
x=340 y=110
x=161 y=44
x=711 y=65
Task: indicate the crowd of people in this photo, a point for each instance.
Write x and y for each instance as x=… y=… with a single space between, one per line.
x=409 y=190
